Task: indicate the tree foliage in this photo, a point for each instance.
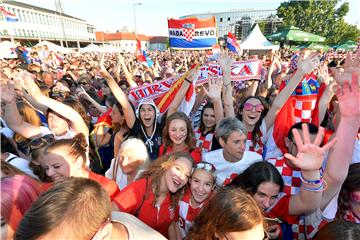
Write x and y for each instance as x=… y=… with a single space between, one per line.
x=319 y=17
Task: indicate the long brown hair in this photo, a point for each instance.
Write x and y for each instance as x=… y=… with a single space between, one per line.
x=190 y=138
x=158 y=168
x=351 y=184
x=29 y=115
x=230 y=210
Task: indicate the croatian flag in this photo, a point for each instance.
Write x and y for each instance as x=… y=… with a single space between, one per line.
x=232 y=44
x=10 y=17
x=192 y=33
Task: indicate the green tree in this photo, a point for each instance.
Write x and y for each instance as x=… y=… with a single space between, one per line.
x=319 y=17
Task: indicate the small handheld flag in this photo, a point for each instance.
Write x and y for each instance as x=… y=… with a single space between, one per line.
x=232 y=44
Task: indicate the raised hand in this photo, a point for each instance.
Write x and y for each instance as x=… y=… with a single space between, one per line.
x=215 y=86
x=7 y=93
x=225 y=62
x=193 y=73
x=323 y=74
x=349 y=97
x=310 y=155
x=30 y=85
x=306 y=65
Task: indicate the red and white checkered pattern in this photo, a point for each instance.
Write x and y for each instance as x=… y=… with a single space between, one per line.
x=259 y=147
x=188 y=33
x=303 y=110
x=291 y=177
x=350 y=217
x=203 y=142
x=187 y=214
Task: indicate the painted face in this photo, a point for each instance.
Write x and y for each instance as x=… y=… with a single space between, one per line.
x=57 y=124
x=208 y=118
x=355 y=203
x=201 y=185
x=234 y=147
x=256 y=233
x=178 y=174
x=58 y=166
x=266 y=194
x=147 y=115
x=252 y=111
x=116 y=116
x=178 y=131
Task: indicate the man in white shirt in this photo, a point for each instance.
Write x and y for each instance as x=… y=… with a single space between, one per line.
x=232 y=159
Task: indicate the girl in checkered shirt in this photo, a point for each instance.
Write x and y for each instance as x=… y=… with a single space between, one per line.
x=200 y=189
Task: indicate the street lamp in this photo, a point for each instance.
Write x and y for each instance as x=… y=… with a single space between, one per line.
x=134 y=5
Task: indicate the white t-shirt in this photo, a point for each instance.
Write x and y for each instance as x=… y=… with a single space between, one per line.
x=137 y=230
x=227 y=171
x=21 y=164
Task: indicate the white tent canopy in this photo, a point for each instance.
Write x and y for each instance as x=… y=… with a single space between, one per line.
x=96 y=48
x=55 y=48
x=7 y=49
x=257 y=41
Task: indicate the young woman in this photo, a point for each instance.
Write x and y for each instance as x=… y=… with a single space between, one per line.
x=252 y=111
x=178 y=136
x=130 y=162
x=349 y=197
x=67 y=158
x=144 y=122
x=199 y=191
x=210 y=114
x=17 y=194
x=231 y=214
x=63 y=121
x=154 y=198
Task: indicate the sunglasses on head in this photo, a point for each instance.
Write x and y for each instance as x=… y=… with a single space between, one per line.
x=39 y=142
x=250 y=107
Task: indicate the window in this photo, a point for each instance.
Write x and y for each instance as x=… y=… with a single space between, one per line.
x=221 y=19
x=228 y=19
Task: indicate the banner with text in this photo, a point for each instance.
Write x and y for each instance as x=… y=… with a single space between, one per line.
x=192 y=33
x=240 y=71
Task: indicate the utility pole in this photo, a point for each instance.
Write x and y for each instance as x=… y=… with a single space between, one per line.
x=60 y=10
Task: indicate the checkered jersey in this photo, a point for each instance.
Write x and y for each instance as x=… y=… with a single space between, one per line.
x=291 y=177
x=280 y=209
x=314 y=222
x=187 y=214
x=259 y=147
x=188 y=33
x=203 y=142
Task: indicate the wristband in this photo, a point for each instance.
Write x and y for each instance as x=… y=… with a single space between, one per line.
x=188 y=80
x=322 y=187
x=312 y=182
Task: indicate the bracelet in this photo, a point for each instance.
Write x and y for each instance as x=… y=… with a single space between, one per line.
x=313 y=182
x=188 y=80
x=322 y=187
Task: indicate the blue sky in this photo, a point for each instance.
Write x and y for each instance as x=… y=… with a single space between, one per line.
x=151 y=15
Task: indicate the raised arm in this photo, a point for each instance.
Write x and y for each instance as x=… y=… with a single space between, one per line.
x=82 y=93
x=214 y=95
x=189 y=78
x=119 y=95
x=340 y=158
x=76 y=121
x=225 y=63
x=128 y=75
x=309 y=159
x=304 y=66
x=11 y=114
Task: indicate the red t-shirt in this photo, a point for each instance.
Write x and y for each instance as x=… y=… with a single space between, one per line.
x=195 y=153
x=159 y=218
x=109 y=185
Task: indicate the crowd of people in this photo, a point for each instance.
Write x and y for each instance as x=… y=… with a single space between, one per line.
x=81 y=160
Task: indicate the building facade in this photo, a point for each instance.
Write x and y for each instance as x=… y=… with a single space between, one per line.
x=36 y=23
x=123 y=41
x=237 y=21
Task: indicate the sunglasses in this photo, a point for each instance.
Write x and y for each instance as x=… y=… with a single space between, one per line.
x=39 y=142
x=83 y=83
x=250 y=107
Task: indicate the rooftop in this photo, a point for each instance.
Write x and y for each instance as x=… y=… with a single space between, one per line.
x=25 y=5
